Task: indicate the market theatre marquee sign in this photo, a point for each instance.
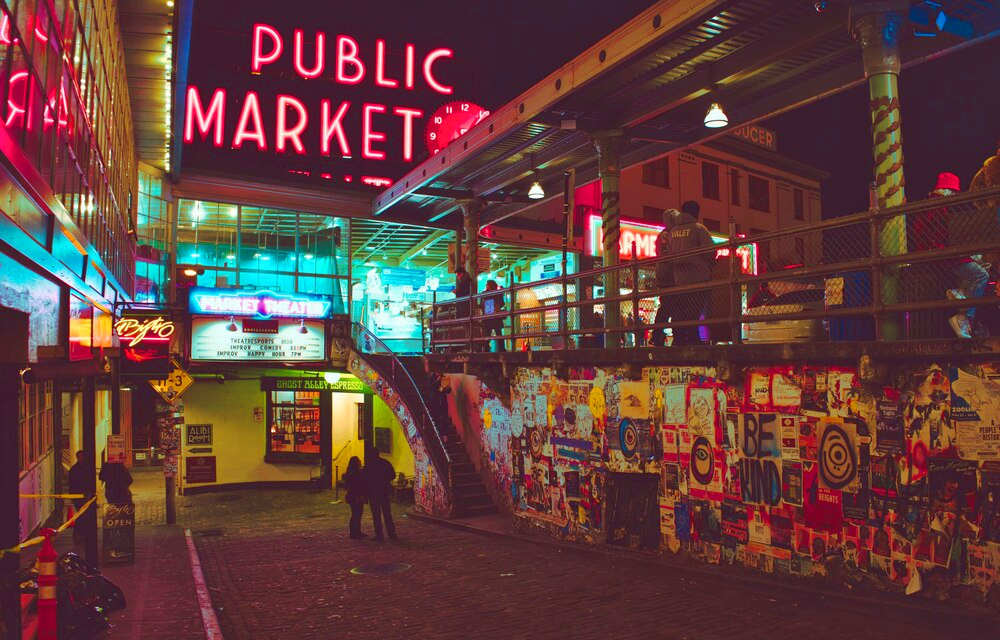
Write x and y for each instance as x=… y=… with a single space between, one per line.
x=329 y=99
x=257 y=326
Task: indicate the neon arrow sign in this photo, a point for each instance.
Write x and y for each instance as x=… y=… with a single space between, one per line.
x=261 y=304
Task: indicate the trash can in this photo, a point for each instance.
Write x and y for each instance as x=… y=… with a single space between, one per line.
x=847 y=290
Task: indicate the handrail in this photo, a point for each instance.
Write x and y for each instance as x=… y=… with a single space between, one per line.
x=426 y=419
x=838 y=246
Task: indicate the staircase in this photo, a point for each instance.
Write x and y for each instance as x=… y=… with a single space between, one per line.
x=467 y=487
x=445 y=446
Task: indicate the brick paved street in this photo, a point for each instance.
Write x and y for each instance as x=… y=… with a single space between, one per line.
x=278 y=565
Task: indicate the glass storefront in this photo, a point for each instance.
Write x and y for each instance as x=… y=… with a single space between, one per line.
x=259 y=248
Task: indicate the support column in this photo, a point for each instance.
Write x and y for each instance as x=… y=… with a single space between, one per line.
x=13 y=355
x=471 y=209
x=609 y=147
x=89 y=519
x=876 y=27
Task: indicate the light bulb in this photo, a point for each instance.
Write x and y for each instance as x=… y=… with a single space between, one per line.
x=536 y=192
x=716 y=117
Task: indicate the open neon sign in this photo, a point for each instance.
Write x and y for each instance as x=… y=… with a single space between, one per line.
x=262 y=304
x=644 y=235
x=340 y=59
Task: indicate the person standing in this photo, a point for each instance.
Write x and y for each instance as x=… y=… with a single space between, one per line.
x=688 y=234
x=379 y=475
x=664 y=277
x=117 y=480
x=463 y=289
x=354 y=481
x=77 y=477
x=492 y=306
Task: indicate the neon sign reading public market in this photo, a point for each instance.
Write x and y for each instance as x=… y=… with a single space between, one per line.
x=262 y=304
x=340 y=58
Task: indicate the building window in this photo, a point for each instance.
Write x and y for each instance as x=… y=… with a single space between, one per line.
x=653 y=214
x=712 y=225
x=36 y=419
x=760 y=194
x=734 y=187
x=293 y=425
x=710 y=180
x=799 y=204
x=657 y=173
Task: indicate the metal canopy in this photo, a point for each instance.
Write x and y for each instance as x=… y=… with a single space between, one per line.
x=653 y=79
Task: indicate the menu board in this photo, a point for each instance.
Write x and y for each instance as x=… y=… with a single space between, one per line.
x=247 y=339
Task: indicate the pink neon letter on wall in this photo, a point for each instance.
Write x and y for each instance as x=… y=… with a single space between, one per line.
x=347 y=52
x=317 y=69
x=250 y=112
x=333 y=127
x=429 y=73
x=16 y=110
x=259 y=58
x=380 y=78
x=408 y=115
x=284 y=133
x=368 y=136
x=195 y=115
x=410 y=54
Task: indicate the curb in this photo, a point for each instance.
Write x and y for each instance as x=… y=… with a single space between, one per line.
x=884 y=605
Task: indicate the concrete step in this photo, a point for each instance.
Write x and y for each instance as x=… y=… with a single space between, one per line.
x=476 y=499
x=478 y=510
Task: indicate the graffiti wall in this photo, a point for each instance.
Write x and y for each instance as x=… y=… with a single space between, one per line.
x=429 y=491
x=791 y=470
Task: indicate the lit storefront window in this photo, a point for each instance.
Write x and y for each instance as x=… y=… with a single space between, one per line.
x=153 y=234
x=261 y=248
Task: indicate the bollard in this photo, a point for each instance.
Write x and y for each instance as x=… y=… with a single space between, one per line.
x=47 y=599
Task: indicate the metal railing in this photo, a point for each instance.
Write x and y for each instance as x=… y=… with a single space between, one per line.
x=889 y=274
x=382 y=358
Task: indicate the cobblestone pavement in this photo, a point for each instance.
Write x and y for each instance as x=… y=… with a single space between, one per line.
x=278 y=565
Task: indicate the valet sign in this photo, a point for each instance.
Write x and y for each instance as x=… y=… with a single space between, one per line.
x=257 y=326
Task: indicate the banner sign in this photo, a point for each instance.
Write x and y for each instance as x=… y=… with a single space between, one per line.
x=313 y=384
x=199 y=469
x=145 y=344
x=117 y=450
x=246 y=339
x=259 y=304
x=198 y=434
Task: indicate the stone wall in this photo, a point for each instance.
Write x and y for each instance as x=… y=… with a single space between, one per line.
x=802 y=471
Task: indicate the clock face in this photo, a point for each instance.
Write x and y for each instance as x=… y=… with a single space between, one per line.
x=450 y=122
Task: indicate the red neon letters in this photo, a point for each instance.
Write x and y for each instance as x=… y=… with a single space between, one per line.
x=205 y=116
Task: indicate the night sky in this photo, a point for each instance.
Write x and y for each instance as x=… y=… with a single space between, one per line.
x=949 y=106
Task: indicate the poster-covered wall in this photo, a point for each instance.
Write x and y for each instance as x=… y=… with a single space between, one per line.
x=792 y=470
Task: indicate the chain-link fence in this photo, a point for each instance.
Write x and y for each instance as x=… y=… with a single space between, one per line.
x=920 y=271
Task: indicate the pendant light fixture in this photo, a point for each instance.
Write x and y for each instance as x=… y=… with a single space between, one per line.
x=535 y=192
x=716 y=117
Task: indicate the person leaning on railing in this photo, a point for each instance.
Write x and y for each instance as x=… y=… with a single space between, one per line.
x=664 y=276
x=688 y=234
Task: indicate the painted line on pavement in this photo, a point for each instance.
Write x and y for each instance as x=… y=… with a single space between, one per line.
x=210 y=622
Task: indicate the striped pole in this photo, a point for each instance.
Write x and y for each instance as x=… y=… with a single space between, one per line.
x=877 y=29
x=609 y=147
x=48 y=627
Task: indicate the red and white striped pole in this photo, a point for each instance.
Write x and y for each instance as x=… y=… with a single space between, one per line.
x=47 y=598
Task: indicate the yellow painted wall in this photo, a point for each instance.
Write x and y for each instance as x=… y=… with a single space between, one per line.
x=237 y=441
x=400 y=454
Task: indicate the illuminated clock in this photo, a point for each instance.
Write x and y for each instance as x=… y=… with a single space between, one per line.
x=450 y=122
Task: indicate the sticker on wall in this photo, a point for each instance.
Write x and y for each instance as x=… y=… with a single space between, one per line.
x=634 y=402
x=628 y=438
x=975 y=410
x=598 y=408
x=701 y=418
x=838 y=456
x=673 y=404
x=789 y=430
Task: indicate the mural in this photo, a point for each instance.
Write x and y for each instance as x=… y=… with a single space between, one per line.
x=793 y=470
x=429 y=492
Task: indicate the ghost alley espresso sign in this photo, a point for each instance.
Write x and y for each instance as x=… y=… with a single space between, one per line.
x=336 y=106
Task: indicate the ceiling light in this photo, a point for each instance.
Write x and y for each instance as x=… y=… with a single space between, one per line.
x=424 y=252
x=716 y=117
x=309 y=256
x=263 y=257
x=196 y=255
x=232 y=324
x=230 y=256
x=190 y=272
x=331 y=377
x=536 y=192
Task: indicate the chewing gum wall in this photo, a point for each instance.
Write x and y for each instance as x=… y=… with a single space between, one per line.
x=791 y=470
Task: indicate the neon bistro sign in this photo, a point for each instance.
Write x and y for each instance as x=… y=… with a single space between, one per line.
x=262 y=304
x=644 y=235
x=339 y=58
x=136 y=330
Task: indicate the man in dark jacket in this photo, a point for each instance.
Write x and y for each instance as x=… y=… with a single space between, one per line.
x=77 y=477
x=379 y=475
x=685 y=235
x=664 y=276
